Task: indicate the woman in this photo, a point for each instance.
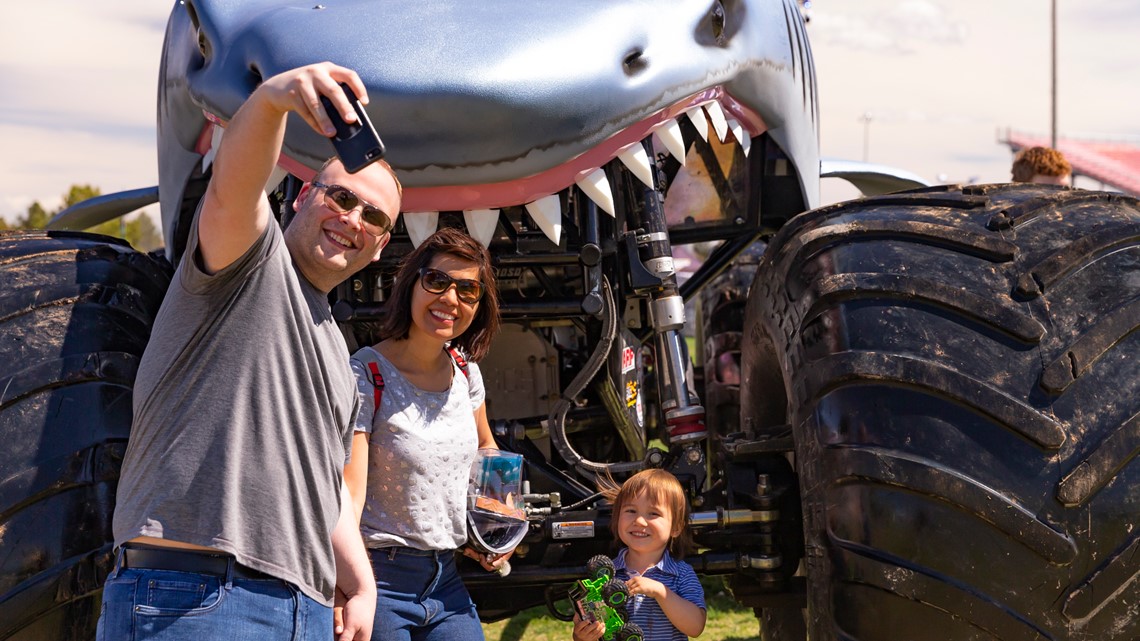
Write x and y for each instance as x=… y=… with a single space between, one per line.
x=422 y=418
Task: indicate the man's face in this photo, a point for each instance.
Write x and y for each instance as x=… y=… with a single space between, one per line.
x=328 y=244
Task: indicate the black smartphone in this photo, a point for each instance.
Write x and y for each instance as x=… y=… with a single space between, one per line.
x=357 y=144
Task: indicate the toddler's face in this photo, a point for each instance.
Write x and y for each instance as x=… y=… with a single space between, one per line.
x=645 y=525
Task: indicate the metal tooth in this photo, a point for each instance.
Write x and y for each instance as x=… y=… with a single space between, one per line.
x=669 y=134
x=637 y=160
x=481 y=224
x=547 y=213
x=420 y=225
x=597 y=187
x=716 y=116
x=697 y=117
x=741 y=135
x=215 y=143
x=275 y=178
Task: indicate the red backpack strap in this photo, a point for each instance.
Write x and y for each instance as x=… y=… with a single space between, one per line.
x=460 y=361
x=377 y=385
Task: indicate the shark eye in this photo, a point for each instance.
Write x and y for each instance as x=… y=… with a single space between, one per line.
x=716 y=17
x=203 y=44
x=719 y=24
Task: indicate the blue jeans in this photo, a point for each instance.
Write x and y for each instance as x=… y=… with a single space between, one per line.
x=420 y=597
x=150 y=604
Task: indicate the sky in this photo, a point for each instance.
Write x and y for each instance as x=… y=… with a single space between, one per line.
x=923 y=85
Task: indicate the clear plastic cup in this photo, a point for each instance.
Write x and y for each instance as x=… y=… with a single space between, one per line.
x=496 y=515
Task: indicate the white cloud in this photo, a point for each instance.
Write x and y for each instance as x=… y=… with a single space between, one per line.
x=900 y=28
x=79 y=100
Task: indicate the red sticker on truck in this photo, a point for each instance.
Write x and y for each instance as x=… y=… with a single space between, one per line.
x=628 y=360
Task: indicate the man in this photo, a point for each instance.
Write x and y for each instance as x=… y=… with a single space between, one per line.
x=232 y=517
x=1042 y=165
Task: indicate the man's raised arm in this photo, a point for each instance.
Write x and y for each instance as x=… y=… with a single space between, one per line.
x=235 y=211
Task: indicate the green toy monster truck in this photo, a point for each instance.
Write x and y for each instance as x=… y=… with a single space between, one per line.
x=603 y=598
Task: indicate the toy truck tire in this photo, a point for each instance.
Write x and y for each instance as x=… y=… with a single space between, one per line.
x=616 y=593
x=600 y=566
x=629 y=632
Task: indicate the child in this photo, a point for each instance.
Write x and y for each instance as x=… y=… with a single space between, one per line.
x=651 y=517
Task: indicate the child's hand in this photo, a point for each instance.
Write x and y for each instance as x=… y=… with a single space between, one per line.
x=588 y=631
x=650 y=588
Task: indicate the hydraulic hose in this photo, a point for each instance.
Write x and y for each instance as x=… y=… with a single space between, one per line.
x=597 y=359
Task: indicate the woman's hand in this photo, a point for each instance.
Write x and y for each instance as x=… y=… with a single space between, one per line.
x=490 y=563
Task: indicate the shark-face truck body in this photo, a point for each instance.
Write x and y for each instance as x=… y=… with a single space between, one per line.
x=900 y=414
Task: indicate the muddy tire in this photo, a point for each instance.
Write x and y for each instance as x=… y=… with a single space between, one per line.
x=75 y=314
x=723 y=302
x=963 y=375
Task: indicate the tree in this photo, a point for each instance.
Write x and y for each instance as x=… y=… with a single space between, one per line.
x=140 y=231
x=36 y=218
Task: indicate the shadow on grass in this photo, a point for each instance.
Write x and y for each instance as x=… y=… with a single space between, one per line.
x=516 y=627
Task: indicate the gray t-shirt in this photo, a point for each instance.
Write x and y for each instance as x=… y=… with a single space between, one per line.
x=243 y=413
x=421 y=446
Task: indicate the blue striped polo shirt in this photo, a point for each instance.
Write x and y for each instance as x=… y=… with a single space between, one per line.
x=679 y=577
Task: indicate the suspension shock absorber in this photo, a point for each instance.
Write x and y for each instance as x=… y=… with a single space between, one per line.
x=654 y=273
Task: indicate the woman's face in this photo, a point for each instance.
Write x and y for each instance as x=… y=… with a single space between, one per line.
x=444 y=316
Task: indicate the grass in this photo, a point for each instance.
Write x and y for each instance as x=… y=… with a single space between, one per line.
x=727 y=620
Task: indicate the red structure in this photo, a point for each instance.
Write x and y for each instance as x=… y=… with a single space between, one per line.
x=1114 y=163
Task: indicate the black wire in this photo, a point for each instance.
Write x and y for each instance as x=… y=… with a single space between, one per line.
x=588 y=499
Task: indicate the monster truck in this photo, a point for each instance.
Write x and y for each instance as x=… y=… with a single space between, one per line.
x=914 y=415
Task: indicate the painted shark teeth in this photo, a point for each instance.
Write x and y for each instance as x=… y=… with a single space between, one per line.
x=697 y=117
x=594 y=184
x=481 y=224
x=741 y=136
x=216 y=134
x=547 y=213
x=420 y=225
x=597 y=187
x=215 y=142
x=637 y=160
x=275 y=178
x=669 y=134
x=716 y=116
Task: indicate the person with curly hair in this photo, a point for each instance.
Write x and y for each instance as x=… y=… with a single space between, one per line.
x=1042 y=165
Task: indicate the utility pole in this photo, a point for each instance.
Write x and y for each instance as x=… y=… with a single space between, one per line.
x=1053 y=83
x=866 y=119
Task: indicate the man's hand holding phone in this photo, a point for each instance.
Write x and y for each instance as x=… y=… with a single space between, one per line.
x=357 y=143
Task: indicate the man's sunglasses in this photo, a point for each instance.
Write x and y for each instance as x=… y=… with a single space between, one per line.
x=342 y=200
x=436 y=282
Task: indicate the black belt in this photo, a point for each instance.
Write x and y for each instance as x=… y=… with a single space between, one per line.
x=392 y=551
x=197 y=561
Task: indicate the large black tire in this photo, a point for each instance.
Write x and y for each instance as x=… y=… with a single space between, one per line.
x=723 y=302
x=963 y=376
x=75 y=314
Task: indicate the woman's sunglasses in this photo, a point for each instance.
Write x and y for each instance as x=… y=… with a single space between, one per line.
x=342 y=200
x=436 y=282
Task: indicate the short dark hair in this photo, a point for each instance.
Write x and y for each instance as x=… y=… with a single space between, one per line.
x=476 y=341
